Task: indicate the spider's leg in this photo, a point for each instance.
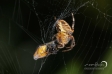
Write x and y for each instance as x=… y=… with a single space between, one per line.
x=54 y=37
x=72 y=44
x=73 y=23
x=60 y=45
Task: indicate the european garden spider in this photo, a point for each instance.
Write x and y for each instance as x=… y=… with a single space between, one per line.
x=64 y=34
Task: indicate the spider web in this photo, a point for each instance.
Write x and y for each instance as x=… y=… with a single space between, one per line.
x=25 y=24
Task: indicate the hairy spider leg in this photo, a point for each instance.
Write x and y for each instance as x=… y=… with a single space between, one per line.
x=72 y=44
x=73 y=23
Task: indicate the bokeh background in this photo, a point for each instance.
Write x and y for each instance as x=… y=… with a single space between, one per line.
x=20 y=35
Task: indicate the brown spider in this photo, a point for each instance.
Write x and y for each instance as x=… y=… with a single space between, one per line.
x=64 y=35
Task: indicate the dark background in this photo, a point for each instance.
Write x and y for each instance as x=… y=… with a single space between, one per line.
x=20 y=35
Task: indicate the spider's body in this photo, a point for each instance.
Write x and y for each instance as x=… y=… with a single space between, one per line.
x=62 y=38
x=63 y=26
x=64 y=35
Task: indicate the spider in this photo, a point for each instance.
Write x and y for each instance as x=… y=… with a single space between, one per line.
x=64 y=35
